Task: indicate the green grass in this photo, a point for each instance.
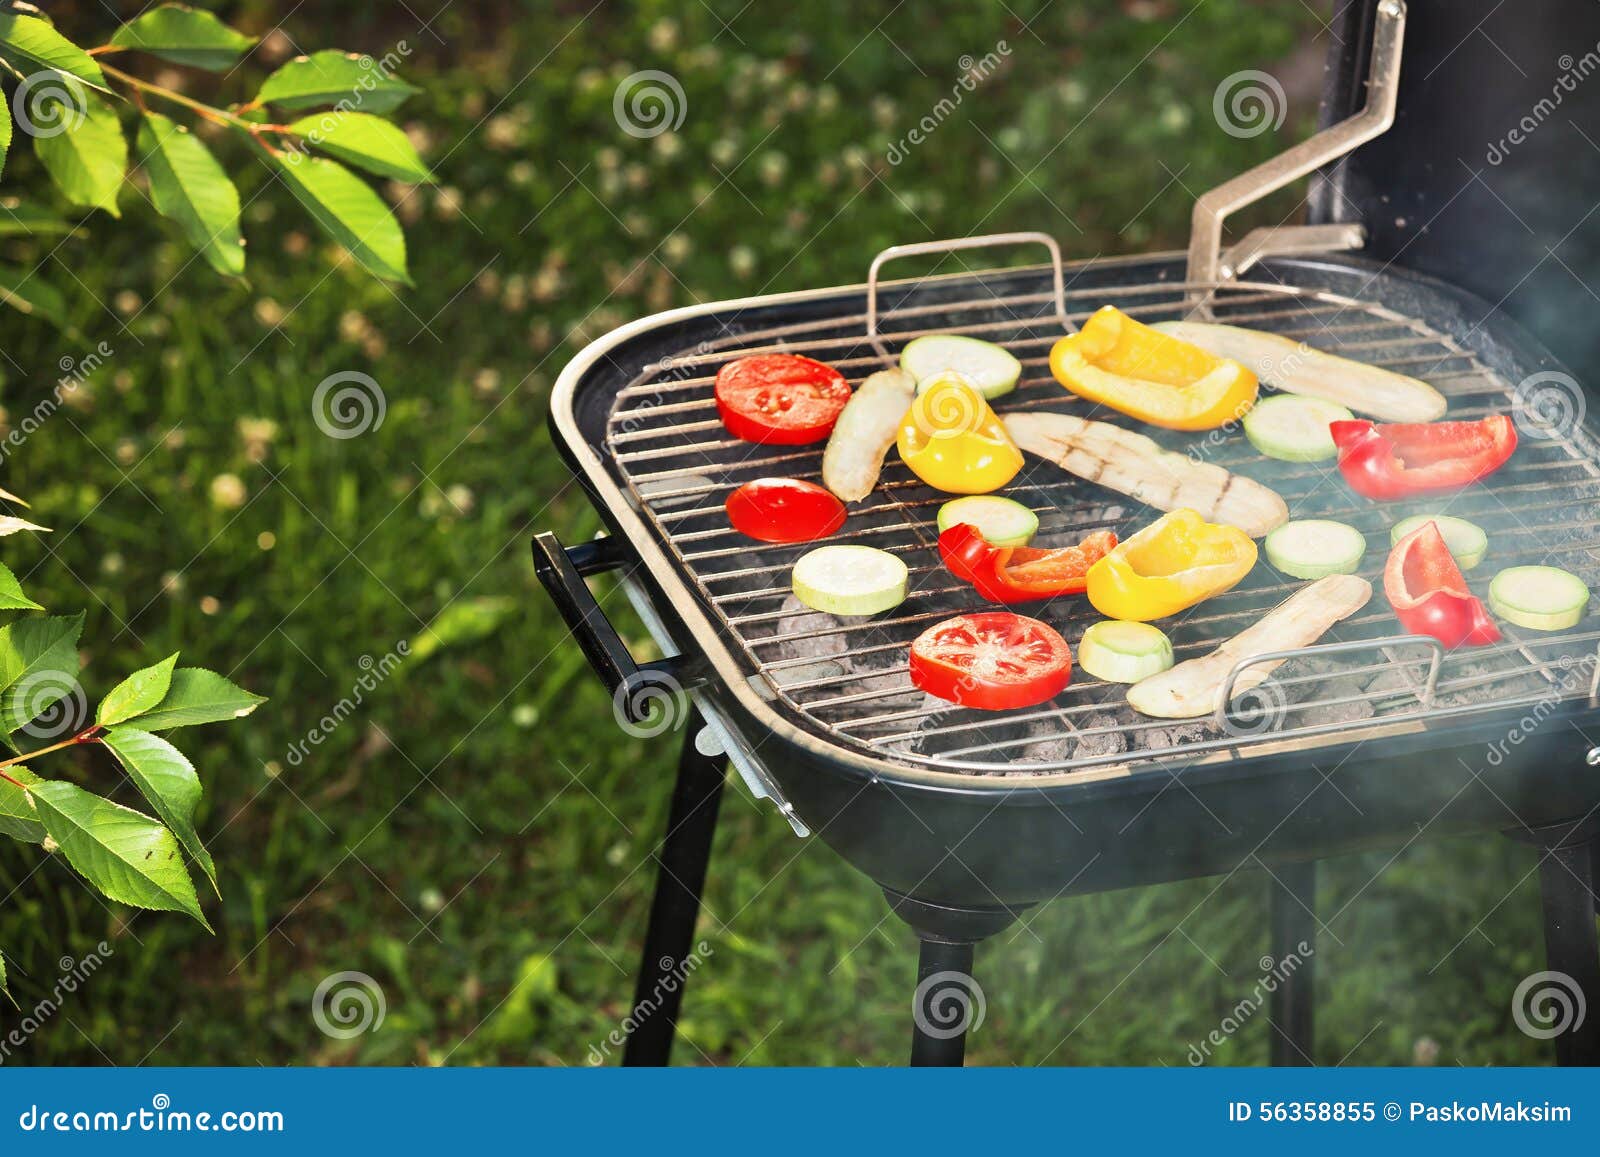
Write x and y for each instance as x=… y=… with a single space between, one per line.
x=475 y=837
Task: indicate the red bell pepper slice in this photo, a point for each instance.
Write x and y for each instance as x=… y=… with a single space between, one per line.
x=1429 y=596
x=1021 y=574
x=1382 y=461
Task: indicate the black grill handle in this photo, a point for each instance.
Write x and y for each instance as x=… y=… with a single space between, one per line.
x=634 y=687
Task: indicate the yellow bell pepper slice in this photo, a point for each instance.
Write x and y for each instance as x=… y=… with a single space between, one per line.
x=1175 y=562
x=952 y=440
x=1152 y=376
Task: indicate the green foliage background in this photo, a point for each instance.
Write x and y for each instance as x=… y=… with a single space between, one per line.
x=476 y=835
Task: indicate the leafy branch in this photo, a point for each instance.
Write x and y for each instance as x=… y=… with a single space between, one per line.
x=68 y=100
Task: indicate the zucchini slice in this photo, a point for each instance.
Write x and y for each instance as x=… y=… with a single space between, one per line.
x=1541 y=598
x=1312 y=548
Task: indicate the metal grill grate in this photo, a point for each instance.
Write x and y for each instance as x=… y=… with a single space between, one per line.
x=847 y=678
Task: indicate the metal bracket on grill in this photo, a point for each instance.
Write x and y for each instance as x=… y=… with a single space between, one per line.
x=635 y=687
x=987 y=241
x=1288 y=240
x=1383 y=86
x=1221 y=717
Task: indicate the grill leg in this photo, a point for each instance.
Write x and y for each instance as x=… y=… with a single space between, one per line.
x=1571 y=947
x=942 y=1006
x=1294 y=900
x=682 y=858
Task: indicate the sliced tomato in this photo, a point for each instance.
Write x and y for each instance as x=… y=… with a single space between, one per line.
x=993 y=661
x=780 y=399
x=784 y=510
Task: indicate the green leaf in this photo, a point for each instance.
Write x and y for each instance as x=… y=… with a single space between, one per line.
x=31 y=44
x=168 y=780
x=38 y=666
x=189 y=187
x=88 y=156
x=25 y=291
x=127 y=855
x=184 y=36
x=11 y=596
x=17 y=817
x=5 y=131
x=348 y=211
x=368 y=142
x=198 y=696
x=24 y=218
x=336 y=78
x=137 y=694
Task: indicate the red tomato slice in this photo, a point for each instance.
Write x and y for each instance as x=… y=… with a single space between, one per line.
x=993 y=661
x=780 y=399
x=784 y=510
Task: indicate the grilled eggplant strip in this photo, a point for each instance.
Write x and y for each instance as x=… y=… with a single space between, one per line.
x=1190 y=689
x=864 y=432
x=1296 y=368
x=1136 y=466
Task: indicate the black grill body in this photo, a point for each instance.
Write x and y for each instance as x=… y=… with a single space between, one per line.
x=959 y=858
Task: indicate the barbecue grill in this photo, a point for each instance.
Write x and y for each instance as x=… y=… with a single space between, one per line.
x=966 y=818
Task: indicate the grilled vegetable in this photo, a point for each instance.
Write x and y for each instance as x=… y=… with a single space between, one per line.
x=1191 y=689
x=1121 y=652
x=864 y=432
x=1428 y=594
x=1313 y=547
x=780 y=399
x=1001 y=521
x=1134 y=465
x=1020 y=574
x=1541 y=598
x=1294 y=429
x=849 y=580
x=1466 y=540
x=1152 y=376
x=992 y=661
x=1296 y=368
x=1175 y=562
x=952 y=441
x=1384 y=462
x=988 y=368
x=784 y=510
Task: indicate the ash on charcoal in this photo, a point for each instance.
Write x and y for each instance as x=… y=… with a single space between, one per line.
x=799 y=620
x=1057 y=742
